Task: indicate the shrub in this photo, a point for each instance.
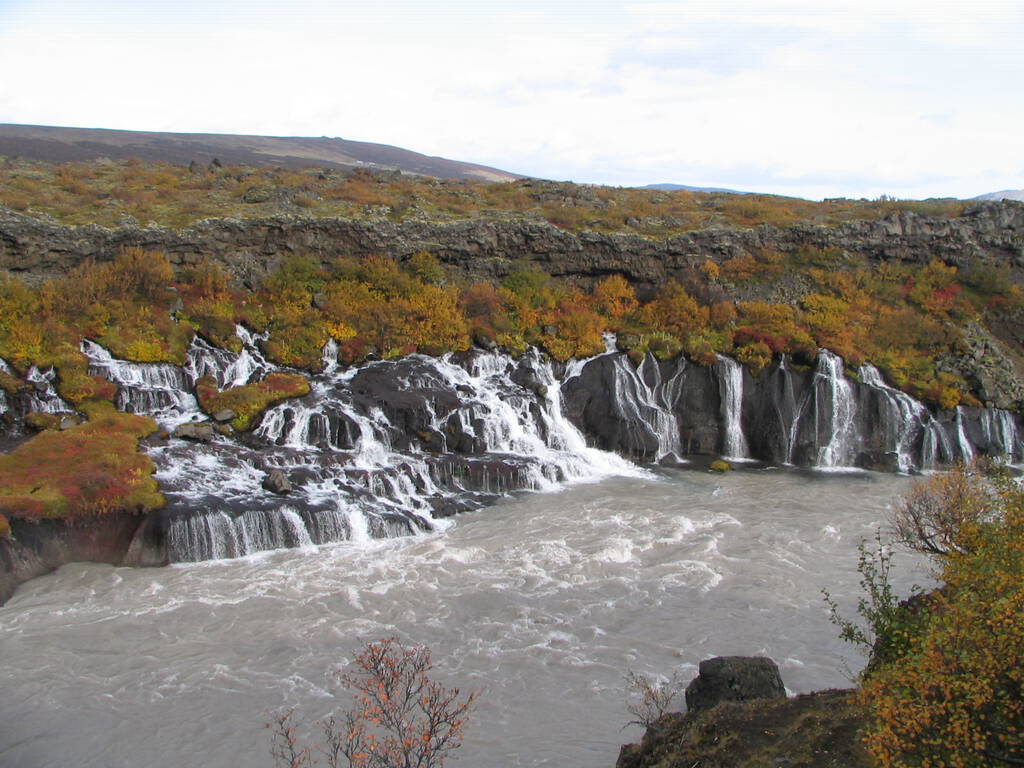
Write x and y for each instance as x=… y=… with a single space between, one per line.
x=933 y=516
x=756 y=356
x=401 y=718
x=956 y=696
x=648 y=699
x=882 y=633
x=92 y=468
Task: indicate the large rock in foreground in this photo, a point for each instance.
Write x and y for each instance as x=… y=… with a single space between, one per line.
x=734 y=678
x=816 y=730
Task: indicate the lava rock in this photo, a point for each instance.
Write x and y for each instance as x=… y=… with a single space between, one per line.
x=277 y=482
x=200 y=432
x=734 y=678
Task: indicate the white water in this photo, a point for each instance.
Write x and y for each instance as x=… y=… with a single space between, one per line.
x=541 y=602
x=838 y=422
x=730 y=377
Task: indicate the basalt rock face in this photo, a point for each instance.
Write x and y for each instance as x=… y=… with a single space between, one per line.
x=249 y=248
x=734 y=678
x=36 y=548
x=793 y=415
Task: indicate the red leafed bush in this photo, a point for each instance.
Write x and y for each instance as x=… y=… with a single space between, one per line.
x=401 y=717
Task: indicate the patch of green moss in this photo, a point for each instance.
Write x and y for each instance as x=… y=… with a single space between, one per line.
x=249 y=401
x=40 y=421
x=93 y=468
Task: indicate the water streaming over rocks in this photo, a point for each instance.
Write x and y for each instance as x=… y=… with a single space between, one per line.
x=395 y=447
x=734 y=442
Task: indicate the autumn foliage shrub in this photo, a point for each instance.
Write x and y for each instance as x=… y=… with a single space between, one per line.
x=950 y=691
x=401 y=717
x=92 y=468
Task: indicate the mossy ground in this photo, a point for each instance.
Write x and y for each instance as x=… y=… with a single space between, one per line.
x=108 y=193
x=249 y=401
x=816 y=730
x=93 y=468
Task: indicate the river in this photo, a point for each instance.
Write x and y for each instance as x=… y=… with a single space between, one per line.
x=542 y=602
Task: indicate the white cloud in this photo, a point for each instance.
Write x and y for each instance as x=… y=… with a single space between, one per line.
x=905 y=98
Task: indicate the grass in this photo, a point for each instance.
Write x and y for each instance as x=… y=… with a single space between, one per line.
x=90 y=469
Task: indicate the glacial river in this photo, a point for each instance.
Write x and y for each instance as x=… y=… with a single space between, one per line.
x=541 y=602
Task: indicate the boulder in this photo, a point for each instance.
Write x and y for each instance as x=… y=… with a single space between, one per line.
x=734 y=678
x=200 y=432
x=277 y=482
x=224 y=414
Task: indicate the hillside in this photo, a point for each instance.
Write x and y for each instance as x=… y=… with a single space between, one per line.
x=1004 y=194
x=61 y=145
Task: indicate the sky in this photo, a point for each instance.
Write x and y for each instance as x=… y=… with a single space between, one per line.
x=822 y=98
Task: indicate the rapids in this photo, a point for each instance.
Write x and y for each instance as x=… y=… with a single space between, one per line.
x=541 y=601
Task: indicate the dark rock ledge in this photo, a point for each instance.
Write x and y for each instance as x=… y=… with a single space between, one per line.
x=37 y=548
x=741 y=721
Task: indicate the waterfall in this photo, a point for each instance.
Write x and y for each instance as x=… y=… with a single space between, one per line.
x=353 y=445
x=217 y=535
x=963 y=444
x=229 y=369
x=160 y=390
x=825 y=417
x=904 y=419
x=999 y=430
x=730 y=382
x=395 y=447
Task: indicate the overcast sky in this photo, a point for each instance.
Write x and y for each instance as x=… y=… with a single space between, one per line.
x=814 y=98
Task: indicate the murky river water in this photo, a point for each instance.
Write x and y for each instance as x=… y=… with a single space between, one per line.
x=542 y=602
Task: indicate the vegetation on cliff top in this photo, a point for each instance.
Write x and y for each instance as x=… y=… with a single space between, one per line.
x=90 y=469
x=108 y=193
x=904 y=320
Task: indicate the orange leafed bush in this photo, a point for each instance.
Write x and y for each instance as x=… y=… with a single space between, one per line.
x=93 y=468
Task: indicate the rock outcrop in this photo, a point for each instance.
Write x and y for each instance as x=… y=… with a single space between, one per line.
x=36 y=548
x=734 y=678
x=815 y=730
x=250 y=248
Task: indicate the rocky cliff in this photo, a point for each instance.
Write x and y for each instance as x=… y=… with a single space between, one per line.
x=250 y=248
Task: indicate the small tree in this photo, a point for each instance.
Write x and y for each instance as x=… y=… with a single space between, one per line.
x=401 y=718
x=648 y=699
x=931 y=518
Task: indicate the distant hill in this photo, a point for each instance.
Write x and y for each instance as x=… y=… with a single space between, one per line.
x=673 y=187
x=60 y=145
x=1006 y=194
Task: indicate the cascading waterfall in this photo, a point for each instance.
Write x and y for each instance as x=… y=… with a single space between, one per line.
x=43 y=396
x=227 y=368
x=394 y=447
x=904 y=420
x=730 y=378
x=160 y=390
x=340 y=439
x=835 y=419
